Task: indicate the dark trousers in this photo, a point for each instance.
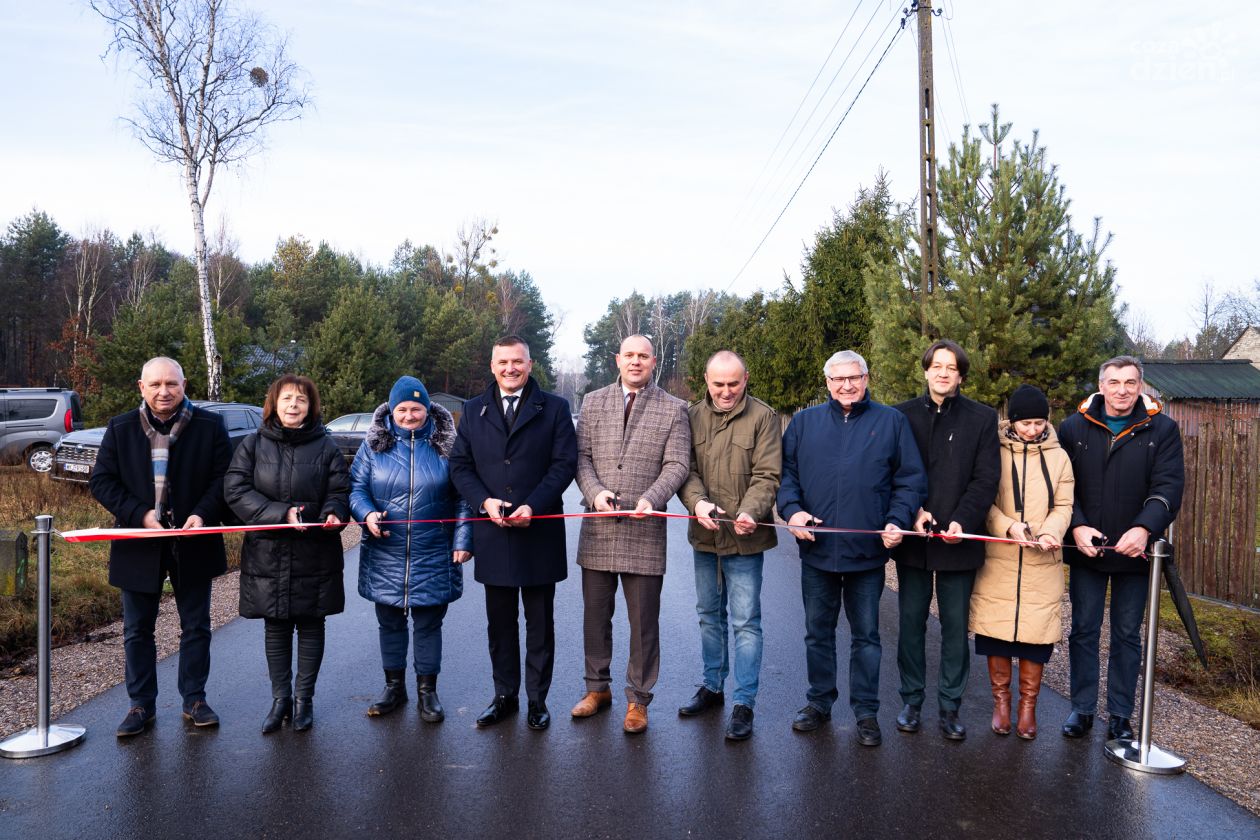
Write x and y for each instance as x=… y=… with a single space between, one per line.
x=278 y=643
x=1087 y=590
x=643 y=609
x=503 y=630
x=140 y=612
x=824 y=593
x=426 y=637
x=953 y=601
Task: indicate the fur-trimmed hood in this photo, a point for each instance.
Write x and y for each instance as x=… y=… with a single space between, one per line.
x=382 y=434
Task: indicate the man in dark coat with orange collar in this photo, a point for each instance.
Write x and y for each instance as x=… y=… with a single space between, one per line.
x=514 y=456
x=1127 y=458
x=161 y=466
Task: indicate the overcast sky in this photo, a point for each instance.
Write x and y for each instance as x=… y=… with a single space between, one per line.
x=633 y=146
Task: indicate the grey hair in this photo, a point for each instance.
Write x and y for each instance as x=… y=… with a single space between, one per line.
x=726 y=356
x=845 y=357
x=162 y=360
x=1121 y=361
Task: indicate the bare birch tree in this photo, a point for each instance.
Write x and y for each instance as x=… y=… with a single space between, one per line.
x=213 y=78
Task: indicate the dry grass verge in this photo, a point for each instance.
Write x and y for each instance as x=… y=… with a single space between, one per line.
x=1231 y=636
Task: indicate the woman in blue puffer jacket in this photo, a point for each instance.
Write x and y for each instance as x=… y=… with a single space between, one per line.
x=400 y=474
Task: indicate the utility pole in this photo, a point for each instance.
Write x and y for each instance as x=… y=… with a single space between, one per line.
x=927 y=162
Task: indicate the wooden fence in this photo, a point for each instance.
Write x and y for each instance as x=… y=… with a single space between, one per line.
x=1215 y=534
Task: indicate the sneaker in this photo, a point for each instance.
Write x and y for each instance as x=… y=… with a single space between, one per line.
x=138 y=719
x=201 y=714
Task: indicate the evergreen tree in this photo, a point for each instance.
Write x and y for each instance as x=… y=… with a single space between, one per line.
x=354 y=355
x=1029 y=298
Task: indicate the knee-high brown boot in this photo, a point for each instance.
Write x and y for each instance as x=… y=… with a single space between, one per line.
x=1000 y=683
x=1029 y=688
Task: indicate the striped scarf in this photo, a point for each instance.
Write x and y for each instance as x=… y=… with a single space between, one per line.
x=160 y=447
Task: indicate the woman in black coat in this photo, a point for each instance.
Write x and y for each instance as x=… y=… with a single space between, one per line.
x=292 y=472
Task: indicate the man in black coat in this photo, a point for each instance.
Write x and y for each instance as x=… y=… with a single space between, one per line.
x=514 y=456
x=957 y=438
x=1127 y=458
x=162 y=466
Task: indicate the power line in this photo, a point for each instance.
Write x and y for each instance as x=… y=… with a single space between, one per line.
x=804 y=99
x=956 y=67
x=847 y=111
x=821 y=97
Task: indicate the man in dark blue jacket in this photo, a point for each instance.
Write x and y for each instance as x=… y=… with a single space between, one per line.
x=958 y=441
x=161 y=466
x=515 y=454
x=849 y=463
x=1127 y=458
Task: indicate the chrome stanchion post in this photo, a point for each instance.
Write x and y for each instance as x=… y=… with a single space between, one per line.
x=44 y=738
x=1141 y=754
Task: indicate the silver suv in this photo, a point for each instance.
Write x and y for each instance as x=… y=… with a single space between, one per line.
x=32 y=420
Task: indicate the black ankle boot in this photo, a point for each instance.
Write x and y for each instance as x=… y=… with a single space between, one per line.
x=430 y=707
x=303 y=714
x=281 y=710
x=395 y=693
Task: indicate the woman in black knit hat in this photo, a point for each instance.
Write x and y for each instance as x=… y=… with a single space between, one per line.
x=1015 y=606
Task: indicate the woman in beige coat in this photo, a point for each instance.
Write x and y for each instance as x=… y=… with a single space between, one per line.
x=1015 y=606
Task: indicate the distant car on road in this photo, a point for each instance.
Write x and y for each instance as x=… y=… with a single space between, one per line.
x=348 y=431
x=32 y=420
x=74 y=456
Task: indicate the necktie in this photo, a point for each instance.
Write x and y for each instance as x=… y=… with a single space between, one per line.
x=509 y=413
x=625 y=418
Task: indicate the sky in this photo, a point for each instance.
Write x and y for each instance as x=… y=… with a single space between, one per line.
x=651 y=146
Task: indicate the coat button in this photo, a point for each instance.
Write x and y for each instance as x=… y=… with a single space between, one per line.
x=507 y=460
x=619 y=466
x=507 y=489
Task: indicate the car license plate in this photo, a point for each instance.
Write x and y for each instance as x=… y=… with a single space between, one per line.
x=76 y=468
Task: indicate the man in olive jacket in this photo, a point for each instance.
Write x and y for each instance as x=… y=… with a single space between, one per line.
x=161 y=466
x=958 y=441
x=1130 y=473
x=633 y=444
x=736 y=461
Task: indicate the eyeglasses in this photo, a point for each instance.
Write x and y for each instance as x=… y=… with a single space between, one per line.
x=847 y=380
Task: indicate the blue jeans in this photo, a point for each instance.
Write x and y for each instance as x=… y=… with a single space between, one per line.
x=859 y=592
x=426 y=631
x=140 y=612
x=733 y=581
x=1087 y=589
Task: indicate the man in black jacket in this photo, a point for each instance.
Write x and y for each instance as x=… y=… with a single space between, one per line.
x=1129 y=469
x=515 y=454
x=162 y=466
x=957 y=439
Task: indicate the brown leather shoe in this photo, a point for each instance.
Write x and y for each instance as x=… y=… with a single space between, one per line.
x=1029 y=687
x=636 y=718
x=592 y=703
x=1000 y=684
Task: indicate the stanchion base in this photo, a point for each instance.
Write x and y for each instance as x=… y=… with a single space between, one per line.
x=30 y=743
x=1128 y=752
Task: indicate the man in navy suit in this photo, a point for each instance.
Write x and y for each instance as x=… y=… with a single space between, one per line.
x=514 y=456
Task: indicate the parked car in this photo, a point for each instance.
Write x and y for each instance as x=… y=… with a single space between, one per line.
x=32 y=420
x=74 y=456
x=348 y=431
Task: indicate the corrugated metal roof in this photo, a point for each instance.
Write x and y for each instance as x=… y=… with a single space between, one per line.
x=1220 y=379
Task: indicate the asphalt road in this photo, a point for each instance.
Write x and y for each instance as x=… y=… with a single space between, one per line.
x=397 y=776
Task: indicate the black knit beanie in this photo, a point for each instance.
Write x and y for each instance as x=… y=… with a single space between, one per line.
x=1027 y=403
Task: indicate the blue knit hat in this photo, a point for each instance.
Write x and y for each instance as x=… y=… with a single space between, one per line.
x=408 y=389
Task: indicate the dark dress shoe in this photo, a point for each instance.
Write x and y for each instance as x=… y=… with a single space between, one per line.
x=810 y=718
x=951 y=726
x=1119 y=727
x=703 y=699
x=138 y=719
x=431 y=710
x=201 y=714
x=500 y=707
x=868 y=733
x=1077 y=725
x=740 y=727
x=538 y=717
x=303 y=714
x=909 y=720
x=281 y=710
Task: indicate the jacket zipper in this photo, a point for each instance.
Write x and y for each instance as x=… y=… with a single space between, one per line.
x=411 y=495
x=1019 y=568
